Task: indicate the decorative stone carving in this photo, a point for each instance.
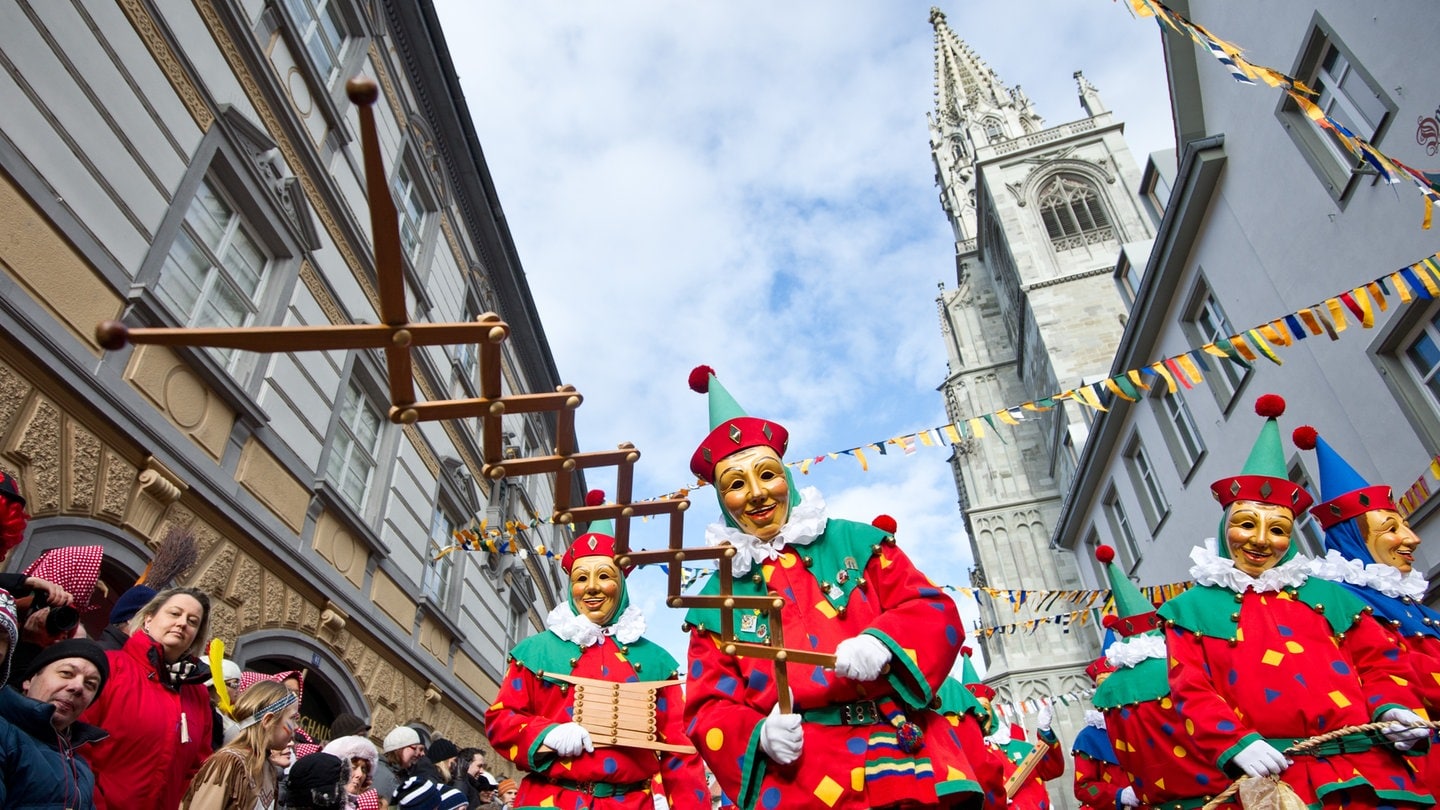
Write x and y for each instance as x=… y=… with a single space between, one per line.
x=332 y=622
x=84 y=460
x=39 y=446
x=433 y=695
x=157 y=488
x=14 y=392
x=119 y=479
x=214 y=577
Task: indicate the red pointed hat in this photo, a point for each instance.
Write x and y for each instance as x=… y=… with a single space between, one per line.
x=1099 y=667
x=1346 y=493
x=1265 y=477
x=731 y=430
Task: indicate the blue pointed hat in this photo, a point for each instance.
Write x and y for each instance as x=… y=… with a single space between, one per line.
x=1344 y=493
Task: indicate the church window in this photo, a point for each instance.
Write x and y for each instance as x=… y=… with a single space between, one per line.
x=1073 y=213
x=994 y=130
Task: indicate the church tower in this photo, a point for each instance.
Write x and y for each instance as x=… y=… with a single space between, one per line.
x=1039 y=215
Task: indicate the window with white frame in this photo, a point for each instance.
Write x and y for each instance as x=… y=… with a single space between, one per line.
x=216 y=271
x=1345 y=93
x=1307 y=531
x=439 y=573
x=412 y=208
x=1422 y=357
x=1177 y=425
x=1206 y=323
x=1128 y=277
x=323 y=31
x=1073 y=213
x=1128 y=549
x=1142 y=477
x=355 y=446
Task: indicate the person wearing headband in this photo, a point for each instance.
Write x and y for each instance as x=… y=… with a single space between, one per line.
x=1263 y=655
x=595 y=634
x=861 y=734
x=240 y=776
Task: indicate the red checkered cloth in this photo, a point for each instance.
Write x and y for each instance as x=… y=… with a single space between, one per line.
x=249 y=679
x=369 y=800
x=74 y=568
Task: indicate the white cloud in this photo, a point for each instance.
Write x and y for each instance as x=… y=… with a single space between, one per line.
x=749 y=185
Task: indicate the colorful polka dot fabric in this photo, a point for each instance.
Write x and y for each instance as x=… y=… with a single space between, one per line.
x=849 y=761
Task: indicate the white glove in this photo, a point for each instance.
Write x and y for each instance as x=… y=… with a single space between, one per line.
x=1404 y=737
x=569 y=740
x=861 y=658
x=1127 y=797
x=661 y=803
x=1044 y=717
x=1260 y=758
x=781 y=736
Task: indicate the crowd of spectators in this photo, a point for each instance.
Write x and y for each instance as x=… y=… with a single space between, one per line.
x=136 y=717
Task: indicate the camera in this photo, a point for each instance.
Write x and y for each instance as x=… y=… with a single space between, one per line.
x=60 y=620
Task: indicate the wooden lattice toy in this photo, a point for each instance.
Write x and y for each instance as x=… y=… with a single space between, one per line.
x=397 y=335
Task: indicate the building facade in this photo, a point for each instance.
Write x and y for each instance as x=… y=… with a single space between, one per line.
x=1039 y=214
x=198 y=164
x=1267 y=214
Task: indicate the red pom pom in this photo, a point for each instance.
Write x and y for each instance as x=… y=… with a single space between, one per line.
x=595 y=497
x=1270 y=406
x=885 y=523
x=1109 y=621
x=966 y=651
x=1105 y=554
x=1304 y=437
x=700 y=379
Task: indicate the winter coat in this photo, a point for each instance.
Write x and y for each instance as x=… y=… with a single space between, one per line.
x=35 y=772
x=159 y=734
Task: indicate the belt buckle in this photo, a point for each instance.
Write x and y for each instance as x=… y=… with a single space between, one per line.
x=859 y=713
x=588 y=788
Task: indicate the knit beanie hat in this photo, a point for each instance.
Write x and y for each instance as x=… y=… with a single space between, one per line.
x=72 y=648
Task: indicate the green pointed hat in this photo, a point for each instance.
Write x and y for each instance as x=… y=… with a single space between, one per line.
x=970 y=679
x=731 y=429
x=1134 y=614
x=1265 y=477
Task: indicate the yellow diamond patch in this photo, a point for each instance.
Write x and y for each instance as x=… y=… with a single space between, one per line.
x=1272 y=658
x=828 y=791
x=1294 y=647
x=825 y=609
x=1339 y=699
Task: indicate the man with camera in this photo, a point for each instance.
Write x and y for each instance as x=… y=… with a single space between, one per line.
x=40 y=736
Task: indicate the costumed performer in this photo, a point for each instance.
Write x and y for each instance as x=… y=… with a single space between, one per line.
x=1006 y=747
x=1148 y=734
x=1263 y=655
x=1370 y=550
x=1100 y=782
x=596 y=634
x=859 y=736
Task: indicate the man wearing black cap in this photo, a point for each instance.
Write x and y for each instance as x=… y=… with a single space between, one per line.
x=39 y=733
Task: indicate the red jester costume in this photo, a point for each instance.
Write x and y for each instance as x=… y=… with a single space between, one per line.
x=860 y=736
x=596 y=634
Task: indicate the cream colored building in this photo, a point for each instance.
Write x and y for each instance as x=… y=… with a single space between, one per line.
x=198 y=163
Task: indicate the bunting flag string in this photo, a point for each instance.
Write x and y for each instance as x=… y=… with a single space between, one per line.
x=1014 y=712
x=1042 y=600
x=1080 y=617
x=1419 y=492
x=1244 y=71
x=1330 y=317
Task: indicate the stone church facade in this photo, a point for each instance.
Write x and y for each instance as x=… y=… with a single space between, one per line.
x=1039 y=214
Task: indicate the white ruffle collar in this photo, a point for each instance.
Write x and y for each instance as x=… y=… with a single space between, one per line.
x=576 y=629
x=1094 y=719
x=1386 y=579
x=1001 y=737
x=1212 y=569
x=807 y=522
x=1127 y=652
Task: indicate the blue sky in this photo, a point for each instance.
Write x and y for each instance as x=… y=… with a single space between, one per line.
x=748 y=185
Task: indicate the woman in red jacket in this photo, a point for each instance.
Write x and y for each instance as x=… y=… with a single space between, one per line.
x=155 y=706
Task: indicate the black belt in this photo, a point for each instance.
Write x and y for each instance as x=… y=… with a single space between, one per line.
x=601 y=790
x=856 y=713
